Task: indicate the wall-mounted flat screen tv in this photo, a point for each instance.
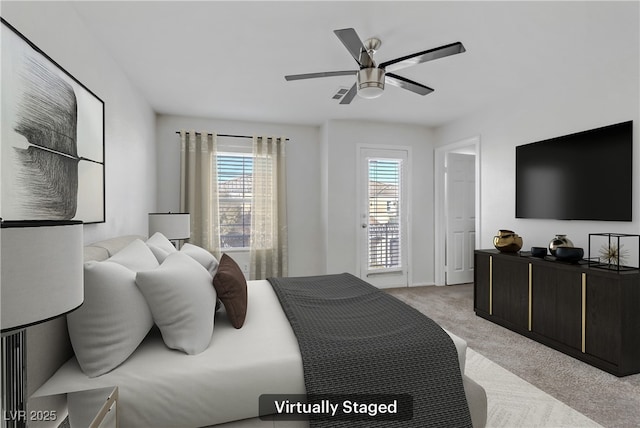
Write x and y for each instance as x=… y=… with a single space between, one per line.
x=582 y=176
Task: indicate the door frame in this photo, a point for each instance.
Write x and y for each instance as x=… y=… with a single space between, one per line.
x=473 y=144
x=359 y=196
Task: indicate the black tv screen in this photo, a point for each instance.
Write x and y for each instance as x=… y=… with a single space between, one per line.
x=582 y=176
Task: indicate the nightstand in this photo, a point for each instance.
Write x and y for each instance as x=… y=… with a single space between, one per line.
x=83 y=411
x=92 y=408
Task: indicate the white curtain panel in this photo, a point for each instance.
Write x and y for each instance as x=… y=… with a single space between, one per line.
x=199 y=188
x=268 y=244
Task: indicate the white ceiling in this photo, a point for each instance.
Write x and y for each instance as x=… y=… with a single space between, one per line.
x=227 y=60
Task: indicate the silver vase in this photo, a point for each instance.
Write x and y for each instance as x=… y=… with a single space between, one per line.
x=559 y=241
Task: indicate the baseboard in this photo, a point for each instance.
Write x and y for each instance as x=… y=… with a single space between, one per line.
x=425 y=284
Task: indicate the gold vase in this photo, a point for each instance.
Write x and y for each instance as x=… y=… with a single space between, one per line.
x=507 y=241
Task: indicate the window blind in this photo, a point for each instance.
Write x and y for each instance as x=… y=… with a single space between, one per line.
x=385 y=181
x=235 y=174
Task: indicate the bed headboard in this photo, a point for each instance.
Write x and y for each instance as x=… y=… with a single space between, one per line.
x=48 y=344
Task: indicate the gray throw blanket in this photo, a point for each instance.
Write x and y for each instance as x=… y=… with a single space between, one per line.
x=356 y=339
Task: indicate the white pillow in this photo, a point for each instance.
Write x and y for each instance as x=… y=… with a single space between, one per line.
x=182 y=300
x=160 y=246
x=202 y=256
x=135 y=256
x=111 y=322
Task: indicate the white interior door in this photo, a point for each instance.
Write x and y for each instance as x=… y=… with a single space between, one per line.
x=460 y=217
x=383 y=217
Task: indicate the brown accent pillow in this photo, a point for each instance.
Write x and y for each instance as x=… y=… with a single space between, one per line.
x=231 y=287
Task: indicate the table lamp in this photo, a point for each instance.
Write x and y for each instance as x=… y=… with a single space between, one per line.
x=174 y=226
x=41 y=278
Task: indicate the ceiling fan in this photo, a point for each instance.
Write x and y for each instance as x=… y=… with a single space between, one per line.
x=371 y=78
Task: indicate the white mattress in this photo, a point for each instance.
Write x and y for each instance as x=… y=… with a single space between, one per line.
x=159 y=387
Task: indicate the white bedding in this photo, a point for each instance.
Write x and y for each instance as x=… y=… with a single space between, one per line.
x=160 y=387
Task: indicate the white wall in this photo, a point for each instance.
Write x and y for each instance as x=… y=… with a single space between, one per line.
x=340 y=153
x=129 y=153
x=130 y=166
x=520 y=121
x=306 y=254
x=321 y=185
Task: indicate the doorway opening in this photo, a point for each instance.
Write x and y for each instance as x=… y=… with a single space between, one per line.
x=383 y=202
x=457 y=216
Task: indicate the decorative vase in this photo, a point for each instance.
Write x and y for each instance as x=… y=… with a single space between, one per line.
x=507 y=241
x=559 y=241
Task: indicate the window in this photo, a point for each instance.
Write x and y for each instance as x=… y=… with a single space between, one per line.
x=235 y=180
x=384 y=213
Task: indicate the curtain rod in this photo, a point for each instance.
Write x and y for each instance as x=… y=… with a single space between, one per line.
x=227 y=135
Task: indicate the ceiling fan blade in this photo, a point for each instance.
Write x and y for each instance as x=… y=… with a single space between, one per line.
x=348 y=97
x=353 y=43
x=420 y=57
x=401 y=82
x=322 y=74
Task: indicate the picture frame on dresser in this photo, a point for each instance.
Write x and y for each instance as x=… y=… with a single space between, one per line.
x=53 y=138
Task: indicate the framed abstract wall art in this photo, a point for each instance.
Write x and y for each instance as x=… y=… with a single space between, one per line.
x=52 y=138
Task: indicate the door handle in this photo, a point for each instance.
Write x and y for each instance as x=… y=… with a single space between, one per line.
x=364 y=225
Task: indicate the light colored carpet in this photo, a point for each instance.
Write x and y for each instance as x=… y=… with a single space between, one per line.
x=611 y=401
x=512 y=402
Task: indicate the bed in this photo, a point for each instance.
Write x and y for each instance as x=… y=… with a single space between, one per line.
x=163 y=387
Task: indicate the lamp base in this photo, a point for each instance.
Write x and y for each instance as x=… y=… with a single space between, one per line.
x=14 y=409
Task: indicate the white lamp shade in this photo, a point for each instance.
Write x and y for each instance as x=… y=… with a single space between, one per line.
x=41 y=264
x=171 y=225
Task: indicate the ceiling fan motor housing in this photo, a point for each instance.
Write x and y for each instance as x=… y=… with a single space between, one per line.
x=371 y=82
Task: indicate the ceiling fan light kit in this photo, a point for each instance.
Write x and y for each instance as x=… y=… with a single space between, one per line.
x=371 y=78
x=370 y=82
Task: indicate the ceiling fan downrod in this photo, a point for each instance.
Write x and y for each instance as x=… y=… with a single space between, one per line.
x=371 y=78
